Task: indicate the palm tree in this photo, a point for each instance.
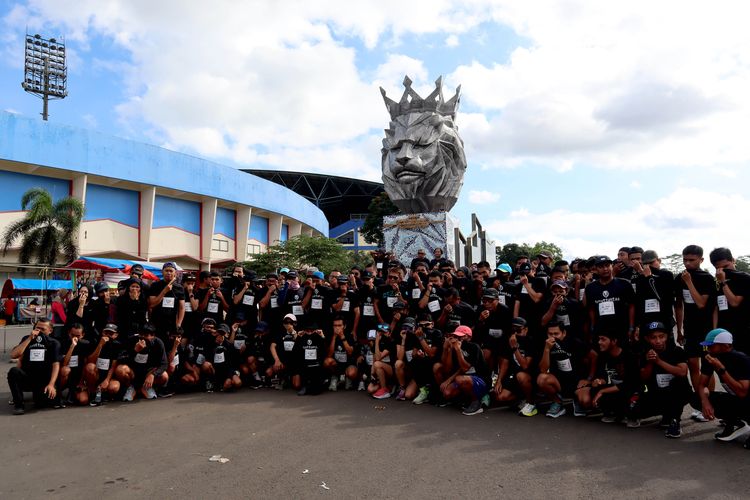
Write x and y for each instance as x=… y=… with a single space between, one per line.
x=47 y=230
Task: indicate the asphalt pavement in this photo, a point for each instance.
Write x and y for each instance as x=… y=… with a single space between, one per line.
x=348 y=445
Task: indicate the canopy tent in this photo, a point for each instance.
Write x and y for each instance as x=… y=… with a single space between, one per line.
x=152 y=269
x=13 y=285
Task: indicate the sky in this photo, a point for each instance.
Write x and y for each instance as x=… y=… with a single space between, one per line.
x=593 y=125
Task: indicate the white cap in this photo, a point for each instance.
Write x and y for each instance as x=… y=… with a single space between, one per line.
x=291 y=316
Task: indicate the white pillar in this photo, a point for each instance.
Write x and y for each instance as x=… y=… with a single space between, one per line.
x=148 y=200
x=208 y=222
x=274 y=229
x=242 y=232
x=295 y=228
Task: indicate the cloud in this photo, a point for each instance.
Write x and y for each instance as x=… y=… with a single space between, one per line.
x=483 y=197
x=452 y=41
x=684 y=216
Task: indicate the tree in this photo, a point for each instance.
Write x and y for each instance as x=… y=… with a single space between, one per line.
x=372 y=229
x=510 y=252
x=673 y=263
x=324 y=253
x=743 y=263
x=47 y=230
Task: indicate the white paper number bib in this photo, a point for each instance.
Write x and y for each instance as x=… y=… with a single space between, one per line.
x=433 y=306
x=141 y=358
x=564 y=365
x=213 y=307
x=652 y=306
x=73 y=363
x=297 y=310
x=248 y=300
x=416 y=293
x=317 y=303
x=606 y=308
x=687 y=298
x=721 y=301
x=390 y=301
x=176 y=360
x=36 y=354
x=663 y=380
x=288 y=345
x=311 y=353
x=368 y=310
x=218 y=357
x=496 y=333
x=340 y=356
x=102 y=364
x=167 y=303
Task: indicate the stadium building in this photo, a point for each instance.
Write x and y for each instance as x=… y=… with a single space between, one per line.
x=147 y=203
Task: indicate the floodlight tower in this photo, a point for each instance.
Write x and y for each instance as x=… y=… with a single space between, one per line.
x=45 y=72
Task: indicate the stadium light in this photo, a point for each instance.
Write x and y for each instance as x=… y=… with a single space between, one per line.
x=45 y=72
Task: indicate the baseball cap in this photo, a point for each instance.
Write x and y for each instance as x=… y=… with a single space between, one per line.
x=505 y=268
x=649 y=256
x=366 y=275
x=656 y=326
x=394 y=263
x=602 y=259
x=291 y=317
x=342 y=279
x=168 y=264
x=318 y=274
x=188 y=277
x=272 y=275
x=100 y=287
x=284 y=270
x=518 y=321
x=409 y=323
x=137 y=269
x=208 y=320
x=262 y=326
x=110 y=327
x=718 y=336
x=462 y=331
x=383 y=327
x=524 y=268
x=545 y=253
x=490 y=293
x=560 y=283
x=291 y=274
x=223 y=328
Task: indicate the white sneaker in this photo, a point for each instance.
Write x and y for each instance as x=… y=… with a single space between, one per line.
x=334 y=385
x=528 y=410
x=698 y=416
x=348 y=384
x=361 y=386
x=129 y=394
x=150 y=393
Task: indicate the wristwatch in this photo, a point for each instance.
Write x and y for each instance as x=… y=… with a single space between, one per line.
x=721 y=371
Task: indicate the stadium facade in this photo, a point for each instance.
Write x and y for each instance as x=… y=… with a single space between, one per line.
x=145 y=202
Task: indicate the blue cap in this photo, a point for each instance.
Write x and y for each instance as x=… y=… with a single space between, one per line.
x=383 y=327
x=718 y=336
x=505 y=267
x=262 y=326
x=318 y=274
x=284 y=270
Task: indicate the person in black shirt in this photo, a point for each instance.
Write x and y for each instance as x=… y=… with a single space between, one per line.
x=561 y=308
x=101 y=364
x=282 y=351
x=432 y=297
x=517 y=369
x=136 y=274
x=341 y=360
x=462 y=371
x=270 y=303
x=438 y=259
x=732 y=307
x=257 y=360
x=654 y=290
x=388 y=295
x=73 y=351
x=317 y=299
x=81 y=310
x=529 y=298
x=426 y=349
x=493 y=326
x=566 y=366
x=366 y=297
x=733 y=369
x=166 y=303
x=244 y=305
x=384 y=357
x=131 y=310
x=345 y=303
x=611 y=303
x=212 y=303
x=190 y=323
x=695 y=295
x=310 y=350
x=100 y=310
x=221 y=368
x=664 y=373
x=455 y=312
x=37 y=369
x=143 y=365
x=616 y=380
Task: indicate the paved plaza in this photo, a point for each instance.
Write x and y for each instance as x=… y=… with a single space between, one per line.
x=356 y=446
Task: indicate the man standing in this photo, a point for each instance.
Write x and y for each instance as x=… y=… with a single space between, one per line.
x=732 y=309
x=611 y=303
x=39 y=367
x=166 y=303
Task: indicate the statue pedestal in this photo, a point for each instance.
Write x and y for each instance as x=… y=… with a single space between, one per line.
x=405 y=234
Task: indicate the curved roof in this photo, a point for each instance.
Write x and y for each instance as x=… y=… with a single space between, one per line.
x=63 y=147
x=338 y=197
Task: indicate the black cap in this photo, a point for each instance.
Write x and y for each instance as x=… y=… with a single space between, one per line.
x=524 y=268
x=291 y=274
x=409 y=323
x=656 y=326
x=100 y=287
x=188 y=277
x=224 y=328
x=518 y=321
x=601 y=260
x=110 y=327
x=342 y=279
x=394 y=263
x=137 y=268
x=491 y=293
x=262 y=326
x=366 y=275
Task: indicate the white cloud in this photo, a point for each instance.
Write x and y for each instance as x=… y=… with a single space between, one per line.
x=635 y=185
x=483 y=197
x=452 y=41
x=685 y=216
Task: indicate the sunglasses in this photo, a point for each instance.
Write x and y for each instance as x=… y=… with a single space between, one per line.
x=392 y=277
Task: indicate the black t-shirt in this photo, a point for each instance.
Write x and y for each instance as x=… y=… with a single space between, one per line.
x=388 y=343
x=696 y=322
x=569 y=313
x=223 y=357
x=528 y=347
x=492 y=332
x=39 y=355
x=247 y=309
x=339 y=351
x=507 y=294
x=131 y=315
x=567 y=358
x=273 y=312
x=319 y=306
x=293 y=303
x=528 y=309
x=473 y=355
x=367 y=319
x=736 y=363
x=462 y=314
x=660 y=379
x=621 y=370
x=655 y=297
x=284 y=343
x=199 y=347
x=387 y=297
x=164 y=314
x=610 y=304
x=89 y=315
x=436 y=302
x=214 y=307
x=349 y=305
x=109 y=353
x=736 y=319
x=311 y=350
x=152 y=356
x=259 y=346
x=81 y=351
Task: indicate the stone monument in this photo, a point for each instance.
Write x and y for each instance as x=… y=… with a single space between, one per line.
x=423 y=169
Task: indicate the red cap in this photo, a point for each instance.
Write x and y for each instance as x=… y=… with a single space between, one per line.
x=462 y=331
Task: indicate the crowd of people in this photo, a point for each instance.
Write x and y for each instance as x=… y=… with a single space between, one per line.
x=623 y=339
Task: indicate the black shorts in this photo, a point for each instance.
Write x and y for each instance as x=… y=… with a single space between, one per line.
x=568 y=383
x=693 y=347
x=511 y=383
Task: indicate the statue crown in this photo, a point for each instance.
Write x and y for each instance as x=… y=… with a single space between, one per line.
x=413 y=102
